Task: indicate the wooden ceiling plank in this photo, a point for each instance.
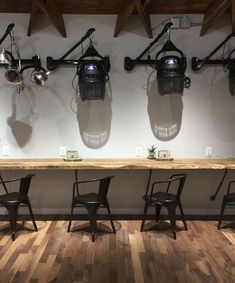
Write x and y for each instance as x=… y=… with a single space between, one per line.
x=124 y=14
x=110 y=7
x=214 y=12
x=34 y=10
x=233 y=14
x=144 y=17
x=52 y=13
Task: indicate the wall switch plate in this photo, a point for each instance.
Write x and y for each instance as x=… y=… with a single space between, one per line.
x=62 y=151
x=5 y=151
x=208 y=151
x=138 y=151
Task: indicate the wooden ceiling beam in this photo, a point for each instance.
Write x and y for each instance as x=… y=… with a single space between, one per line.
x=49 y=8
x=213 y=13
x=233 y=14
x=127 y=10
x=144 y=16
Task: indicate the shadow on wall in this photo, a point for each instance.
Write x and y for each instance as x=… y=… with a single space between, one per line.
x=165 y=111
x=20 y=127
x=222 y=108
x=94 y=120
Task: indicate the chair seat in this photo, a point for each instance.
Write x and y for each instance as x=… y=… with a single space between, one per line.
x=10 y=198
x=162 y=197
x=230 y=197
x=90 y=198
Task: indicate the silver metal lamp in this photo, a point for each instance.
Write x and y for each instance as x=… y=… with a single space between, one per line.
x=4 y=59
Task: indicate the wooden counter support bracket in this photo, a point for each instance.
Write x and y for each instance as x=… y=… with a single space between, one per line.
x=126 y=12
x=49 y=8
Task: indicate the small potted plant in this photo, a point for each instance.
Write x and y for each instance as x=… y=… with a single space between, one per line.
x=151 y=152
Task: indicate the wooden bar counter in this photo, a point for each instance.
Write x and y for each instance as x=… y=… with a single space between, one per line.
x=135 y=163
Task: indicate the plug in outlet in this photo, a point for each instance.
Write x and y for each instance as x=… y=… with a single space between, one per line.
x=62 y=151
x=5 y=151
x=208 y=151
x=138 y=151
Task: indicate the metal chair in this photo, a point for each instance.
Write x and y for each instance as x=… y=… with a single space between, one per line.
x=12 y=201
x=166 y=199
x=92 y=202
x=228 y=199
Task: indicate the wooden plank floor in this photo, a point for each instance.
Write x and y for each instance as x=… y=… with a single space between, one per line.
x=201 y=255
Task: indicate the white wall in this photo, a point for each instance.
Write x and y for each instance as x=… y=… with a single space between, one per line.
x=37 y=121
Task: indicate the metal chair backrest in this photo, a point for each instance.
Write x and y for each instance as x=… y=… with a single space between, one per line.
x=24 y=186
x=103 y=188
x=3 y=184
x=180 y=178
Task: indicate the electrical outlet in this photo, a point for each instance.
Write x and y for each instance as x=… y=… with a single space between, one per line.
x=62 y=151
x=208 y=151
x=138 y=151
x=5 y=151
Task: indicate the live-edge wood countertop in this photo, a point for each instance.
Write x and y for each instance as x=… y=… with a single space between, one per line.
x=135 y=163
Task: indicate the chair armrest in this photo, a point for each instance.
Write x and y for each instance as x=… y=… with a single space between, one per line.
x=92 y=180
x=75 y=184
x=160 y=182
x=229 y=186
x=15 y=180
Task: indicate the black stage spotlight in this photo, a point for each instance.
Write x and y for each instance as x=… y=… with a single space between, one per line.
x=92 y=70
x=93 y=75
x=92 y=80
x=170 y=75
x=170 y=68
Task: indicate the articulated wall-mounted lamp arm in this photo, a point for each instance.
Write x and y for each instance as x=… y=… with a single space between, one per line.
x=130 y=63
x=35 y=63
x=7 y=32
x=53 y=64
x=197 y=64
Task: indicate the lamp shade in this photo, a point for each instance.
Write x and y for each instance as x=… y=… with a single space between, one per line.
x=14 y=76
x=92 y=79
x=40 y=77
x=170 y=74
x=4 y=59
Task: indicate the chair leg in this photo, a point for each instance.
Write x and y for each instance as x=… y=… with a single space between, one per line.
x=13 y=213
x=172 y=211
x=158 y=210
x=31 y=214
x=70 y=217
x=92 y=210
x=146 y=206
x=221 y=214
x=110 y=217
x=182 y=215
x=93 y=227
